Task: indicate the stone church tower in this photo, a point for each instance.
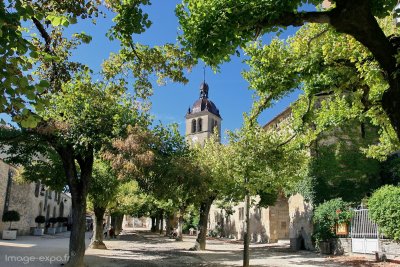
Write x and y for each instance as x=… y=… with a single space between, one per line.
x=203 y=119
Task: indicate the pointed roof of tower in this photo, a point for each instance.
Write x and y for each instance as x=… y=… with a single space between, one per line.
x=203 y=103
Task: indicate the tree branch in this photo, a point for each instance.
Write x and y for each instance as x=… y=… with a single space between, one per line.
x=298 y=19
x=43 y=33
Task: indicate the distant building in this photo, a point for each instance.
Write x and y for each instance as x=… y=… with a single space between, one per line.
x=202 y=119
x=30 y=200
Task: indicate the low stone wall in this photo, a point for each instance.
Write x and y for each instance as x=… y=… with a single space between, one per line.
x=388 y=250
x=341 y=246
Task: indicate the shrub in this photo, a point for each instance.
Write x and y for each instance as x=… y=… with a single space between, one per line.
x=11 y=216
x=384 y=209
x=327 y=215
x=40 y=219
x=52 y=221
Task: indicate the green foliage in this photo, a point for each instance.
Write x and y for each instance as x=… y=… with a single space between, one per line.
x=191 y=219
x=214 y=29
x=11 y=216
x=53 y=220
x=104 y=185
x=391 y=170
x=267 y=198
x=40 y=219
x=339 y=167
x=340 y=80
x=258 y=162
x=384 y=209
x=327 y=215
x=21 y=50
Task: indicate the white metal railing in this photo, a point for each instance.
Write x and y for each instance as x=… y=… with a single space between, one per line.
x=362 y=226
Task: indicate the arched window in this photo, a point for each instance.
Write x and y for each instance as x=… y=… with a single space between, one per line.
x=212 y=125
x=193 y=126
x=40 y=208
x=200 y=124
x=37 y=189
x=61 y=212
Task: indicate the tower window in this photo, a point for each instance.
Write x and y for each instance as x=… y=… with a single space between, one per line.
x=193 y=126
x=200 y=124
x=215 y=125
x=212 y=125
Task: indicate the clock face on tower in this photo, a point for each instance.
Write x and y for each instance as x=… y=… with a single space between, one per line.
x=194 y=139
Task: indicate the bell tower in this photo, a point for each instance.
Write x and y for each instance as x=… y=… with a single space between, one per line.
x=203 y=119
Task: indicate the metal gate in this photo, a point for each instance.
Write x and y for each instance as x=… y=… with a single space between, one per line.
x=364 y=233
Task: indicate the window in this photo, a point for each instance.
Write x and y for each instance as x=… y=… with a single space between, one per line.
x=241 y=214
x=200 y=124
x=212 y=125
x=258 y=213
x=215 y=124
x=37 y=189
x=193 y=126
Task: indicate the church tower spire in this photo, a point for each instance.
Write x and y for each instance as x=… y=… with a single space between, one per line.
x=203 y=119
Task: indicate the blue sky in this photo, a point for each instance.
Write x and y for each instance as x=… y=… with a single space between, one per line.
x=228 y=90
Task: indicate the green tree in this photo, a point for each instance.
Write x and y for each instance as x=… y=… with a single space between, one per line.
x=102 y=190
x=259 y=163
x=208 y=159
x=160 y=161
x=81 y=119
x=365 y=50
x=384 y=209
x=69 y=111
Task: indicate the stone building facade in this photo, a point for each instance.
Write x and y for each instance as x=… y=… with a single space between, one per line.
x=299 y=210
x=30 y=200
x=267 y=225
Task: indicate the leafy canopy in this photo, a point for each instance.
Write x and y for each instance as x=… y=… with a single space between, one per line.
x=214 y=29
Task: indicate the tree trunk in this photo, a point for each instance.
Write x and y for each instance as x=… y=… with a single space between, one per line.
x=153 y=224
x=118 y=219
x=179 y=236
x=161 y=222
x=77 y=237
x=246 y=236
x=203 y=222
x=78 y=185
x=391 y=104
x=169 y=223
x=97 y=239
x=157 y=226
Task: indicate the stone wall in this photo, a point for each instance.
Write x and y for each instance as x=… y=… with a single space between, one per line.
x=341 y=246
x=266 y=224
x=300 y=228
x=29 y=205
x=4 y=168
x=389 y=250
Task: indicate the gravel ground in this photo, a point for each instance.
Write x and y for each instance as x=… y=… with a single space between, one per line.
x=151 y=250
